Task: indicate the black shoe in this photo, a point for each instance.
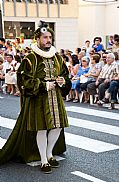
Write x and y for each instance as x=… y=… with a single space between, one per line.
x=105 y=100
x=46 y=168
x=53 y=162
x=100 y=103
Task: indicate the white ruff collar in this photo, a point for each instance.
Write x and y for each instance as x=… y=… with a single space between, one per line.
x=42 y=53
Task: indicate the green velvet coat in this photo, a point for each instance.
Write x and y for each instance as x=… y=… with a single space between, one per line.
x=36 y=108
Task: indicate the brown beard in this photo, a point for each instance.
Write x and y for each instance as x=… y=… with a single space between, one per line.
x=44 y=48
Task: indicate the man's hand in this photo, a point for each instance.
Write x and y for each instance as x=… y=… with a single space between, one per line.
x=88 y=74
x=97 y=82
x=50 y=85
x=116 y=78
x=60 y=81
x=107 y=81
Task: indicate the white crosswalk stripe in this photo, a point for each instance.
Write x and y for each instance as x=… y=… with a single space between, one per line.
x=2 y=142
x=93 y=112
x=1 y=97
x=77 y=140
x=86 y=176
x=7 y=123
x=88 y=143
x=114 y=130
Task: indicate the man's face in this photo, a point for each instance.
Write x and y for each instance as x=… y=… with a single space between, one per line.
x=9 y=59
x=97 y=41
x=45 y=41
x=109 y=60
x=116 y=42
x=87 y=44
x=1 y=52
x=1 y=42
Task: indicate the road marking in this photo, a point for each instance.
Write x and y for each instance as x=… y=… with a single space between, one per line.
x=86 y=176
x=37 y=163
x=2 y=142
x=82 y=142
x=88 y=143
x=1 y=97
x=34 y=163
x=93 y=112
x=7 y=123
x=76 y=140
x=114 y=130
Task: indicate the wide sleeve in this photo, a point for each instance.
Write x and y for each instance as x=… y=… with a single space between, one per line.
x=65 y=74
x=27 y=83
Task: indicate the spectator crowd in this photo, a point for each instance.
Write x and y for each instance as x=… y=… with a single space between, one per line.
x=93 y=70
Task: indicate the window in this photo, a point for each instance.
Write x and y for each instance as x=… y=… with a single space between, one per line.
x=19 y=29
x=64 y=1
x=41 y=1
x=1 y=25
x=56 y=1
x=16 y=0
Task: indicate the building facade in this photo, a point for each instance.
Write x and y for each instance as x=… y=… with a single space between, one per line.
x=73 y=21
x=21 y=18
x=98 y=19
x=1 y=26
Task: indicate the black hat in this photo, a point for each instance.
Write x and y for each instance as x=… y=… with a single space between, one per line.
x=42 y=28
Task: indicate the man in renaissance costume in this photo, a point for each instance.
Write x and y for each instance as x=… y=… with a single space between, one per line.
x=43 y=81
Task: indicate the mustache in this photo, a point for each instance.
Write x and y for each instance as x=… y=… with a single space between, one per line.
x=48 y=43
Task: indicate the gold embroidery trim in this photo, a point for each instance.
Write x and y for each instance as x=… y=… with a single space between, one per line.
x=52 y=97
x=28 y=61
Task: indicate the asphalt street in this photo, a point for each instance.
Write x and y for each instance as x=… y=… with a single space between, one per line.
x=92 y=146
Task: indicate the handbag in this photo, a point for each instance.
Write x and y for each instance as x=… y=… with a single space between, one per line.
x=83 y=79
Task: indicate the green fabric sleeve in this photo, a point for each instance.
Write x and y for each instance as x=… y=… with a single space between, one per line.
x=28 y=84
x=64 y=73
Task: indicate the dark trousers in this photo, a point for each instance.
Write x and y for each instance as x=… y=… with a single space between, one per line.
x=83 y=86
x=113 y=90
x=2 y=81
x=101 y=88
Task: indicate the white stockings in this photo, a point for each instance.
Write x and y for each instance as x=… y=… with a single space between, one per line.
x=46 y=144
x=41 y=139
x=53 y=136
